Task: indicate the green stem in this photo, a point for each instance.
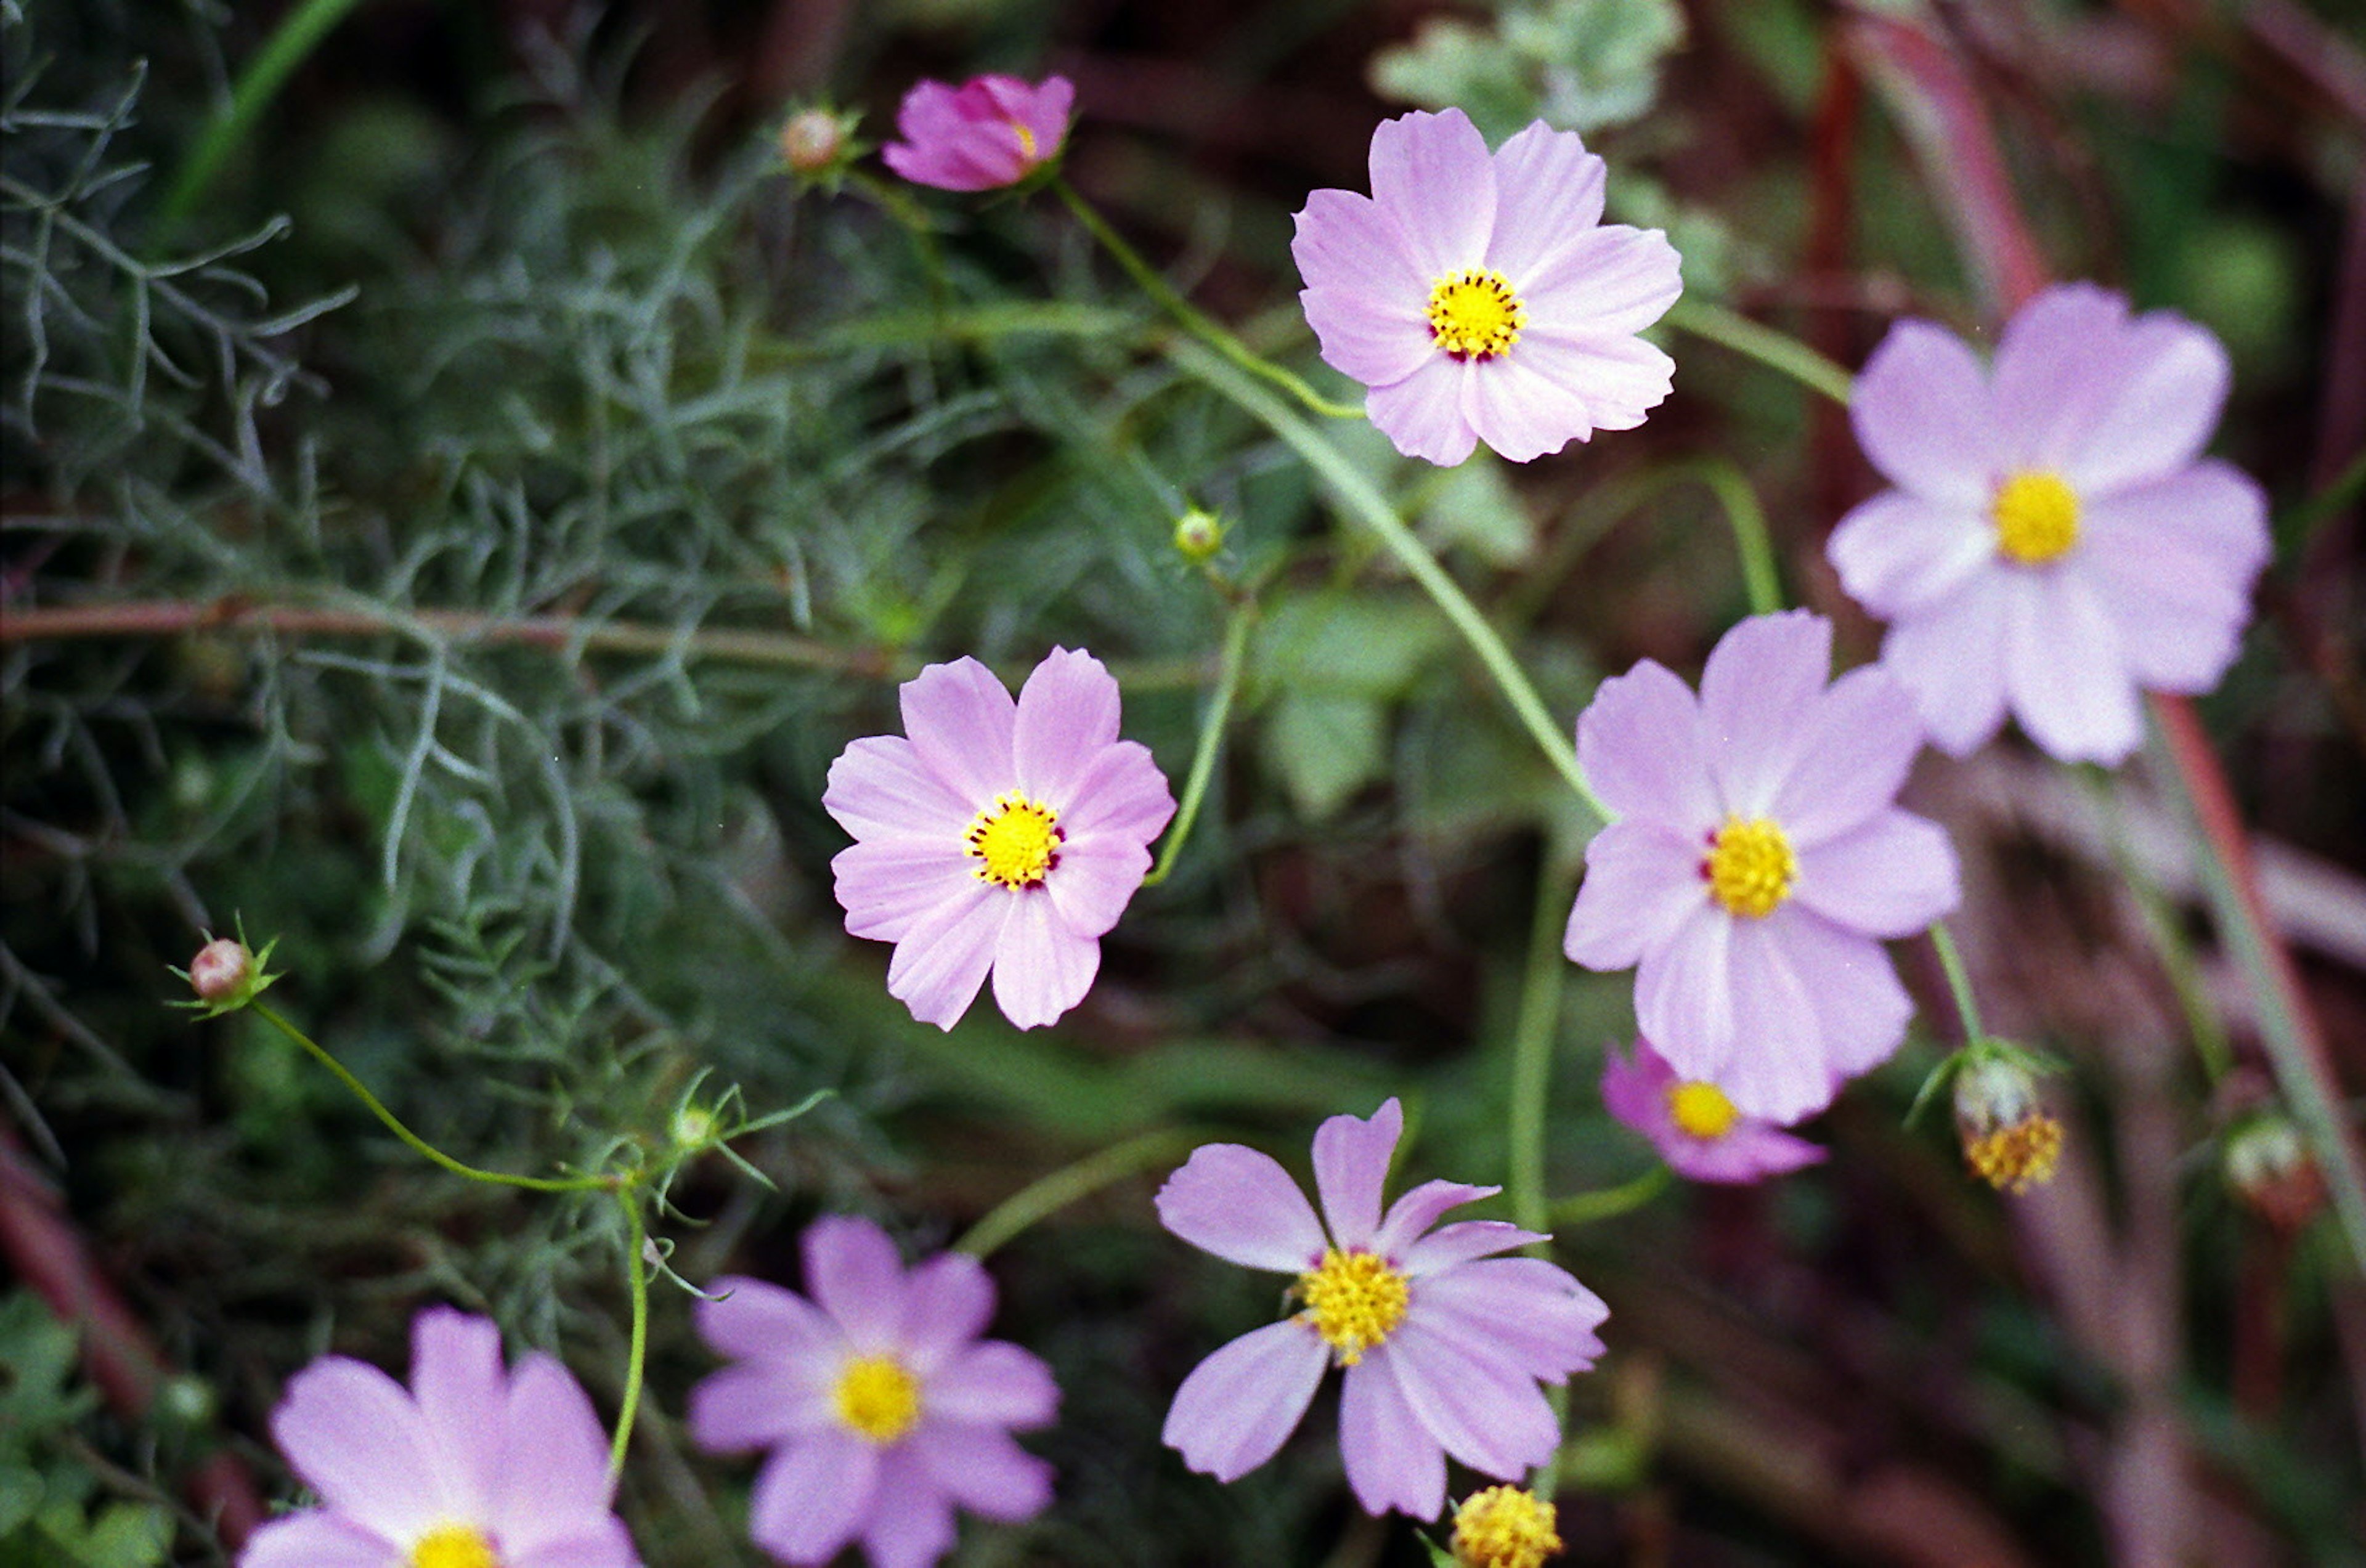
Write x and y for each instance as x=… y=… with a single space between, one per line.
x=1534 y=1033
x=637 y=1235
x=898 y=205
x=1211 y=736
x=1356 y=496
x=295 y=38
x=1959 y=983
x=1609 y=1203
x=1748 y=520
x=1198 y=323
x=377 y=1108
x=1774 y=350
x=1049 y=1194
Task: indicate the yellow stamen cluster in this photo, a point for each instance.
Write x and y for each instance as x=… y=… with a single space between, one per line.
x=1016 y=842
x=1026 y=142
x=1504 y=1526
x=2017 y=1157
x=2036 y=517
x=877 y=1398
x=1701 y=1109
x=1749 y=866
x=1474 y=315
x=455 y=1546
x=1354 y=1300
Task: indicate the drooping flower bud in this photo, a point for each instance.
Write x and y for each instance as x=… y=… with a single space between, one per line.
x=2269 y=1165
x=2009 y=1140
x=1504 y=1526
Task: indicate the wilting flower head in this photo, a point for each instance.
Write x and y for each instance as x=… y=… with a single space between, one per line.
x=1442 y=1342
x=1756 y=862
x=2009 y=1140
x=472 y=1467
x=2053 y=545
x=995 y=835
x=1506 y=1527
x=989 y=132
x=883 y=1408
x=1697 y=1130
x=1480 y=296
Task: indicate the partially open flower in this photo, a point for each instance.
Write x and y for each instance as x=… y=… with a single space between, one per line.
x=1697 y=1130
x=2009 y=1140
x=1504 y=1526
x=989 y=132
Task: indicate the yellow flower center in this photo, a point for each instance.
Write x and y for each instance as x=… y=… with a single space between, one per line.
x=2036 y=517
x=1701 y=1109
x=878 y=1398
x=455 y=1546
x=1015 y=842
x=1354 y=1300
x=1474 y=315
x=1026 y=140
x=1749 y=866
x=2018 y=1156
x=1504 y=1526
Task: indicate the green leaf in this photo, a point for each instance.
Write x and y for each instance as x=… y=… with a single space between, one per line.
x=1326 y=748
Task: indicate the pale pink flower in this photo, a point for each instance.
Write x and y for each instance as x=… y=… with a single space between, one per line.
x=1757 y=861
x=471 y=1465
x=884 y=1409
x=1443 y=1343
x=1480 y=297
x=989 y=132
x=1698 y=1129
x=997 y=835
x=2056 y=542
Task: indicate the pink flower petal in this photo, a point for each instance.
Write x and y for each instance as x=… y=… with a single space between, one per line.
x=1860 y=1007
x=1096 y=879
x=812 y=1497
x=2165 y=395
x=595 y=1543
x=1890 y=877
x=917 y=1527
x=1121 y=795
x=1521 y=414
x=1548 y=188
x=1898 y=552
x=358 y=1439
x=1240 y=1205
x=1344 y=245
x=983 y=1471
x=1458 y=1244
x=1639 y=744
x=1067 y=713
x=888 y=887
x=1351 y=1163
x=1375 y=341
x=879 y=788
x=456 y=1377
x=2058 y=368
x=943 y=956
x=1481 y=1411
x=317 y=1539
x=1528 y=1313
x=1761 y=677
x=1602 y=284
x=1683 y=995
x=994 y=1384
x=1642 y=885
x=1621 y=380
x=760 y=1320
x=962 y=722
x=1924 y=414
x=947 y=1302
x=1041 y=968
x=1849 y=758
x=1391 y=1460
x=1780 y=1067
x=2069 y=679
x=553 y=1478
x=1239 y=1406
x=1422 y=414
x=1416 y=1211
x=1950 y=661
x=752 y=1404
x=855 y=1275
x=1432 y=171
x=2172 y=564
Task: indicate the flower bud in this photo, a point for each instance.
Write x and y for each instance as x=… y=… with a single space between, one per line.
x=2269 y=1165
x=1504 y=1526
x=693 y=1127
x=1199 y=535
x=2009 y=1140
x=813 y=141
x=221 y=969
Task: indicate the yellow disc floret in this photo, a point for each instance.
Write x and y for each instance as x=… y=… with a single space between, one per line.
x=1504 y=1526
x=877 y=1398
x=1701 y=1109
x=1354 y=1300
x=2018 y=1156
x=2036 y=517
x=455 y=1546
x=1015 y=842
x=1474 y=315
x=1749 y=866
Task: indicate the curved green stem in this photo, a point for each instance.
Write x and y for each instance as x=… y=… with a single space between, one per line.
x=636 y=1237
x=1534 y=1033
x=295 y=38
x=1752 y=542
x=1196 y=322
x=1774 y=350
x=1609 y=1203
x=393 y=1124
x=1356 y=496
x=1049 y=1194
x=1959 y=983
x=1211 y=736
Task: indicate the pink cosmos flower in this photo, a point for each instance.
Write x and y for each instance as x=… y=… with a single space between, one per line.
x=1443 y=1343
x=2055 y=540
x=1697 y=1130
x=1757 y=860
x=473 y=1467
x=997 y=836
x=1480 y=297
x=989 y=132
x=883 y=1408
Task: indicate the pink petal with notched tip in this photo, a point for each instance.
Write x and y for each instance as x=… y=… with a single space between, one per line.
x=1237 y=1407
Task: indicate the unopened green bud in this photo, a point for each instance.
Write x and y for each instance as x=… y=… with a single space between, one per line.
x=818 y=144
x=2269 y=1165
x=693 y=1127
x=1199 y=534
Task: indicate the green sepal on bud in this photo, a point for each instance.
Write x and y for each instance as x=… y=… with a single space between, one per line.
x=226 y=974
x=1199 y=535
